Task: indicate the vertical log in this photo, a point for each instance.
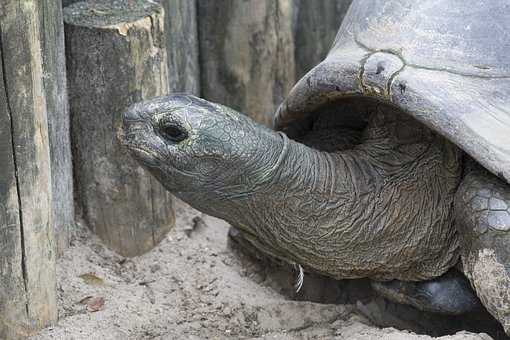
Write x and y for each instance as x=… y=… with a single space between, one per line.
x=27 y=267
x=115 y=56
x=247 y=53
x=13 y=317
x=52 y=43
x=316 y=26
x=182 y=45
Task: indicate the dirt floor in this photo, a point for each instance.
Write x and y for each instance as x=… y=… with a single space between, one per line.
x=192 y=286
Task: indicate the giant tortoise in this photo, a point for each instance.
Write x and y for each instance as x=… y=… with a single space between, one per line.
x=390 y=159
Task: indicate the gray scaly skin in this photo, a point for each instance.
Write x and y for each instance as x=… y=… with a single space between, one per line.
x=382 y=209
x=482 y=207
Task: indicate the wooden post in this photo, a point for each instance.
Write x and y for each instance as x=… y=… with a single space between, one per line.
x=253 y=51
x=27 y=260
x=247 y=54
x=52 y=44
x=316 y=26
x=115 y=56
x=182 y=45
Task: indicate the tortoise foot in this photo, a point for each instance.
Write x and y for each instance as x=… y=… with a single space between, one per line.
x=448 y=294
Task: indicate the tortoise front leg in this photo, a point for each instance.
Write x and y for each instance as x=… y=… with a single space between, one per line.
x=482 y=213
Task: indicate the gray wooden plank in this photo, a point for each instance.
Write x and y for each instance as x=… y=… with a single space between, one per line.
x=23 y=79
x=182 y=45
x=13 y=313
x=52 y=42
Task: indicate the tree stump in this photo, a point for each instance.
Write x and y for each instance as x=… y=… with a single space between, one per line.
x=27 y=259
x=115 y=56
x=247 y=54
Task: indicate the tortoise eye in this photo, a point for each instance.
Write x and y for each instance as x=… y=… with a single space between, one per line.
x=173 y=132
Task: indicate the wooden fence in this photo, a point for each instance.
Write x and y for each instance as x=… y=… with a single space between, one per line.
x=245 y=54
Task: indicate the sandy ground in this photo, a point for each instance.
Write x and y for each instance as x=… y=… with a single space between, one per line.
x=192 y=287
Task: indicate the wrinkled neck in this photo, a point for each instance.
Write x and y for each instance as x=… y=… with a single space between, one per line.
x=298 y=183
x=343 y=213
x=304 y=167
x=273 y=156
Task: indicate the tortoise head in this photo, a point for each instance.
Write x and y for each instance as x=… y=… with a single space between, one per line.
x=193 y=146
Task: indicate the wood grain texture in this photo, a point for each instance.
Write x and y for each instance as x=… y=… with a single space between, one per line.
x=13 y=320
x=28 y=264
x=115 y=58
x=182 y=46
x=316 y=26
x=247 y=54
x=52 y=44
x=252 y=52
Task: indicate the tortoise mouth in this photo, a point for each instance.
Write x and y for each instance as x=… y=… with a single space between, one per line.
x=143 y=155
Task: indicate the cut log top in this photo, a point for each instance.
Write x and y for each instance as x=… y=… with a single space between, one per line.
x=106 y=13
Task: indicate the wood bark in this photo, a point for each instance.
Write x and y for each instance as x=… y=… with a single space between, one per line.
x=52 y=44
x=252 y=52
x=27 y=261
x=316 y=26
x=247 y=54
x=182 y=45
x=115 y=56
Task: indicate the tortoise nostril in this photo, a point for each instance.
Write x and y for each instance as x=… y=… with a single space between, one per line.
x=173 y=132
